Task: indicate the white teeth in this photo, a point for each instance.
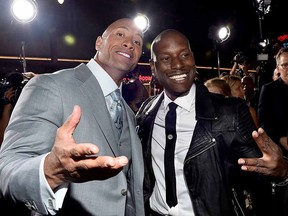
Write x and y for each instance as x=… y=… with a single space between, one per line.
x=124 y=54
x=179 y=77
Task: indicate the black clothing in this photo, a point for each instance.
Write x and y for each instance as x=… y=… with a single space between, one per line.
x=273 y=109
x=222 y=134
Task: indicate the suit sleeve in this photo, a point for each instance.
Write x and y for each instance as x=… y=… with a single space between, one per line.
x=29 y=137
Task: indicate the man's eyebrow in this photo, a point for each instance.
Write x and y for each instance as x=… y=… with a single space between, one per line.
x=126 y=28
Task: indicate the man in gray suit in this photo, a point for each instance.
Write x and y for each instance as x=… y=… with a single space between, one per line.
x=60 y=163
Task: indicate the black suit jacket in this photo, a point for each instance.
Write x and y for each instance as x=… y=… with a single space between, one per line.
x=273 y=109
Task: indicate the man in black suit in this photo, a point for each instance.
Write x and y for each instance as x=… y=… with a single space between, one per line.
x=273 y=118
x=273 y=103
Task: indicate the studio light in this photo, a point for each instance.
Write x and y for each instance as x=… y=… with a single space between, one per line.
x=142 y=22
x=264 y=43
x=223 y=34
x=24 y=11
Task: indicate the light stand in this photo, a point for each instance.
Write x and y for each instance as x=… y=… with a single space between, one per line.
x=222 y=35
x=23 y=58
x=24 y=11
x=218 y=61
x=262 y=8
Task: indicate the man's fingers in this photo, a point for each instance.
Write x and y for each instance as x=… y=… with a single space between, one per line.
x=86 y=150
x=111 y=162
x=70 y=124
x=256 y=169
x=257 y=162
x=262 y=140
x=253 y=165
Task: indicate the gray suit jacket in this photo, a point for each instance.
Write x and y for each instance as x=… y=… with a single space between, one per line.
x=44 y=105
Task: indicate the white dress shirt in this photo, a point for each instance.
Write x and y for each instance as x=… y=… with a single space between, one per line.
x=185 y=124
x=54 y=200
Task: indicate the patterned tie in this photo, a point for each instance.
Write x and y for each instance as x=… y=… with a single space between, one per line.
x=170 y=179
x=116 y=110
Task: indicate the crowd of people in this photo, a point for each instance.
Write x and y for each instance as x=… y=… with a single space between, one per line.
x=185 y=148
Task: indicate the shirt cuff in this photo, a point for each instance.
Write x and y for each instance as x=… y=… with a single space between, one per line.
x=52 y=200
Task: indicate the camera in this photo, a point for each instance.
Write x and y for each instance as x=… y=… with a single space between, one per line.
x=12 y=80
x=240 y=58
x=262 y=57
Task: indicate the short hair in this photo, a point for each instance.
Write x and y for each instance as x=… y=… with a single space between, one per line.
x=221 y=84
x=279 y=53
x=231 y=79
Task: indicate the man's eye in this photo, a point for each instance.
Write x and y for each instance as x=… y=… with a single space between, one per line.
x=186 y=55
x=120 y=34
x=163 y=58
x=138 y=43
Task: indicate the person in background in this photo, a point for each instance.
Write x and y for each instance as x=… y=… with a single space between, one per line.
x=11 y=87
x=6 y=110
x=273 y=103
x=155 y=87
x=276 y=74
x=219 y=86
x=235 y=84
x=134 y=92
x=273 y=118
x=251 y=94
x=62 y=153
x=210 y=133
x=237 y=90
x=240 y=65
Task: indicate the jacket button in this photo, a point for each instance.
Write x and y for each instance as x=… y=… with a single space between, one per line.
x=170 y=136
x=124 y=192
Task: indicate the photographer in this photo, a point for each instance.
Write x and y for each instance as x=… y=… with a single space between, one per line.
x=240 y=65
x=10 y=89
x=6 y=110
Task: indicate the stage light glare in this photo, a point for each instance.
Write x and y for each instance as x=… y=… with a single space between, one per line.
x=69 y=39
x=223 y=34
x=142 y=22
x=24 y=11
x=60 y=1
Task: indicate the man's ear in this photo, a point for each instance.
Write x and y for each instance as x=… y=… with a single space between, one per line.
x=98 y=43
x=152 y=66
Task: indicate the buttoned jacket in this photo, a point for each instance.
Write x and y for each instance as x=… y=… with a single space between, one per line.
x=43 y=106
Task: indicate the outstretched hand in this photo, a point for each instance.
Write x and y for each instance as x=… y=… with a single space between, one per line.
x=72 y=162
x=272 y=163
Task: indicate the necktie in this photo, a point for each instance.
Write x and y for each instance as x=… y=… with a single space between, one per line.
x=170 y=132
x=116 y=110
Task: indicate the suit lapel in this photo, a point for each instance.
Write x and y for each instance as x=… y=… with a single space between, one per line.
x=92 y=90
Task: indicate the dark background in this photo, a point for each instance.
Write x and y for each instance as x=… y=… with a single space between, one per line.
x=86 y=19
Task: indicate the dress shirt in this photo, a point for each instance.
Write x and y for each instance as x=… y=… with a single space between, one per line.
x=54 y=200
x=185 y=124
